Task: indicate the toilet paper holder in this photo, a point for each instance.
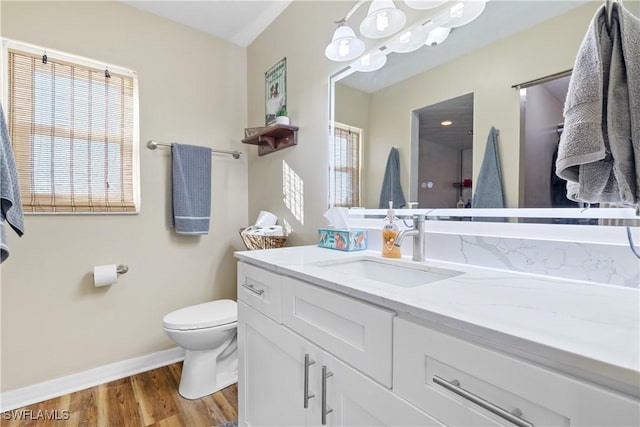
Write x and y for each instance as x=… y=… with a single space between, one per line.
x=120 y=269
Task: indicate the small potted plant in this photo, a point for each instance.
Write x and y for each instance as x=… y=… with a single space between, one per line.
x=282 y=116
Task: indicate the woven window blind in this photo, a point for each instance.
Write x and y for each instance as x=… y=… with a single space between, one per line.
x=344 y=180
x=72 y=132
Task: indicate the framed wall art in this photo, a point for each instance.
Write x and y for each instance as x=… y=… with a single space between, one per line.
x=275 y=90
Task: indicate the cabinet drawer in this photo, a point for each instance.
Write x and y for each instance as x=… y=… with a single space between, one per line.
x=465 y=384
x=261 y=289
x=356 y=332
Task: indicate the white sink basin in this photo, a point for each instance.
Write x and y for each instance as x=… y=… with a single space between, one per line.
x=390 y=272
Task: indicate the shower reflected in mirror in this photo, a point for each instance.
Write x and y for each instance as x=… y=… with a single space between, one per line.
x=444 y=140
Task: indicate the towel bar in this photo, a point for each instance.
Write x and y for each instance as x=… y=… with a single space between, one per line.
x=152 y=145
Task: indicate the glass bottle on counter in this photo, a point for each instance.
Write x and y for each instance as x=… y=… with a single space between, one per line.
x=389 y=235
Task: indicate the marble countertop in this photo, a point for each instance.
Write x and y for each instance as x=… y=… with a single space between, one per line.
x=586 y=329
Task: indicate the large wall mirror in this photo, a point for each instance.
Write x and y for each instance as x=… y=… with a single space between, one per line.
x=475 y=80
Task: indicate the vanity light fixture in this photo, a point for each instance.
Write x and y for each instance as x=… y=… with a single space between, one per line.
x=414 y=38
x=410 y=40
x=425 y=4
x=437 y=35
x=460 y=13
x=344 y=45
x=383 y=20
x=446 y=123
x=370 y=61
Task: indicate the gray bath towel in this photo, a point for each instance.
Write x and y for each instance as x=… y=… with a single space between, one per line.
x=191 y=189
x=582 y=159
x=623 y=103
x=10 y=202
x=391 y=186
x=601 y=134
x=488 y=192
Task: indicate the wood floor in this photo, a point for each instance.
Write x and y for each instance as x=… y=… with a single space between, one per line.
x=147 y=399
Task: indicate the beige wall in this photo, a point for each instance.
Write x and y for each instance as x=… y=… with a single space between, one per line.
x=352 y=106
x=300 y=34
x=489 y=73
x=192 y=90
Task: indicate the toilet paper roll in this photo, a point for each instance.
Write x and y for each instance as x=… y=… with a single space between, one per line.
x=274 y=230
x=105 y=275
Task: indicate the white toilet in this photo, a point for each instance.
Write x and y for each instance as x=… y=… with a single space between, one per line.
x=208 y=334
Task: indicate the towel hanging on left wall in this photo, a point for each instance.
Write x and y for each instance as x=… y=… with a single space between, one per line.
x=10 y=202
x=190 y=189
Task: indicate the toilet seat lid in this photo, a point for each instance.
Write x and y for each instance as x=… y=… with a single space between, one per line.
x=206 y=315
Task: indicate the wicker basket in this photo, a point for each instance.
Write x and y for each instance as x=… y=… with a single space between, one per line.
x=253 y=241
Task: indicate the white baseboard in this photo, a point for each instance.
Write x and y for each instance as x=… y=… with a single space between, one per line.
x=28 y=395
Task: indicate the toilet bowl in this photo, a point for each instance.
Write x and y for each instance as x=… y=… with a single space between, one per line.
x=207 y=332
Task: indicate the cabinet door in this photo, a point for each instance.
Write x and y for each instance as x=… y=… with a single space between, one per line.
x=355 y=400
x=271 y=372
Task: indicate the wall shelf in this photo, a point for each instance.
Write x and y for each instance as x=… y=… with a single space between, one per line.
x=273 y=138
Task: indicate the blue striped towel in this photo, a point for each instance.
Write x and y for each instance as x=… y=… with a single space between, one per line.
x=191 y=189
x=10 y=203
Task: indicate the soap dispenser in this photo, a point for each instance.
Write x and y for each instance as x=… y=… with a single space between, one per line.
x=389 y=235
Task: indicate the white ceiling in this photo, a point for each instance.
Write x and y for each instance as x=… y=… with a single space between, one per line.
x=236 y=21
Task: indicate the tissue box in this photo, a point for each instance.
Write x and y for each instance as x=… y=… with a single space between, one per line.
x=342 y=240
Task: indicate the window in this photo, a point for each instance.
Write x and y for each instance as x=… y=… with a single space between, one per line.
x=73 y=131
x=344 y=166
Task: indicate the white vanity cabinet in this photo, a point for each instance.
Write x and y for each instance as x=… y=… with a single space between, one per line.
x=278 y=367
x=465 y=384
x=311 y=356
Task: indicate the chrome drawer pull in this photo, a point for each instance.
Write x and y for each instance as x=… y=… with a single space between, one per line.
x=254 y=290
x=325 y=374
x=454 y=386
x=307 y=362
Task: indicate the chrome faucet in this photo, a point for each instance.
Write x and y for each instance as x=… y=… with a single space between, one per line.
x=417 y=232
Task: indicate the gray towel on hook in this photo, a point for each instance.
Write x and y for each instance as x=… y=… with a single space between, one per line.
x=391 y=186
x=623 y=103
x=488 y=192
x=10 y=202
x=582 y=158
x=601 y=135
x=190 y=189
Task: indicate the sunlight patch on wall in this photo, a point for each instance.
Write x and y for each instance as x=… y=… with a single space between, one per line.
x=287 y=228
x=293 y=192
